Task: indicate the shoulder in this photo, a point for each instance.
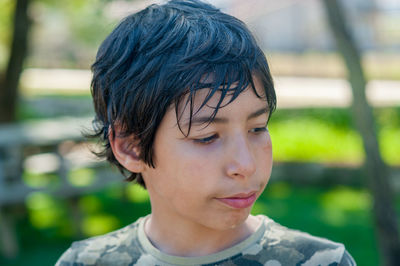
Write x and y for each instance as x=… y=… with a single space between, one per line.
x=292 y=247
x=120 y=247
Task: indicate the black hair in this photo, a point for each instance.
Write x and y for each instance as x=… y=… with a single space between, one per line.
x=162 y=55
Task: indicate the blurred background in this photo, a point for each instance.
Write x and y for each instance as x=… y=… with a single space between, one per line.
x=336 y=132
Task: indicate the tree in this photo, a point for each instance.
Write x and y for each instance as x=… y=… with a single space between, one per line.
x=10 y=79
x=376 y=170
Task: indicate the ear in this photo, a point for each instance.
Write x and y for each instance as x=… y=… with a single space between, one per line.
x=127 y=152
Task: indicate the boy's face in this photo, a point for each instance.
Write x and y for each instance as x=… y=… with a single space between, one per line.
x=212 y=177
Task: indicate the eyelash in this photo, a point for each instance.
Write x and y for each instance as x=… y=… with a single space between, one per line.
x=210 y=139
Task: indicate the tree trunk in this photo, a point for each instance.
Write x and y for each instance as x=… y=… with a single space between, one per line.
x=9 y=81
x=377 y=171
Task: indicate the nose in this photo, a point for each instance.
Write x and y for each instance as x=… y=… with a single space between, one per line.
x=240 y=162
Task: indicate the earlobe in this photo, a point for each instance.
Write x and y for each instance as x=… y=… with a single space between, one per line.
x=127 y=152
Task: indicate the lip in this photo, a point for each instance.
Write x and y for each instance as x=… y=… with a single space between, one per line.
x=239 y=201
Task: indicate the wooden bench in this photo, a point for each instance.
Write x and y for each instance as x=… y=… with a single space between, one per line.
x=54 y=139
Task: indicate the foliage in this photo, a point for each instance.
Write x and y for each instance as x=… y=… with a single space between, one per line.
x=85 y=18
x=6 y=9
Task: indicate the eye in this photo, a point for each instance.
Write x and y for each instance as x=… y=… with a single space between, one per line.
x=259 y=130
x=206 y=140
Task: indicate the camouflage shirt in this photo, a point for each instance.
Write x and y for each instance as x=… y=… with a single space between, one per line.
x=271 y=245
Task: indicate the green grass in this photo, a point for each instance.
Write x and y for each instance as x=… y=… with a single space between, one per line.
x=308 y=140
x=340 y=213
x=327 y=136
x=47 y=228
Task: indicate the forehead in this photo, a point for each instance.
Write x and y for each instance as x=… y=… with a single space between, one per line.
x=201 y=103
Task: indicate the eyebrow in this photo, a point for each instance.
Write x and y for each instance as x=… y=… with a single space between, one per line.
x=223 y=120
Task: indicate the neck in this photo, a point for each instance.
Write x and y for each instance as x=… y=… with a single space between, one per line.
x=190 y=240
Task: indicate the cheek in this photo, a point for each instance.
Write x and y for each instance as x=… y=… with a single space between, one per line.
x=263 y=145
x=194 y=182
x=194 y=168
x=197 y=171
x=264 y=156
x=267 y=147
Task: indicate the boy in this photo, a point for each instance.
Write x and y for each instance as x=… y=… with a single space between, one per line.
x=182 y=95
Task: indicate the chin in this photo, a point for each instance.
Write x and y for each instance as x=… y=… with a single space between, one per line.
x=234 y=219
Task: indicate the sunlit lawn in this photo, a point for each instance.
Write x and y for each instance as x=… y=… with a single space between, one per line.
x=328 y=136
x=339 y=213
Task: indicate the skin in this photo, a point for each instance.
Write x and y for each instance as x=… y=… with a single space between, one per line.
x=231 y=155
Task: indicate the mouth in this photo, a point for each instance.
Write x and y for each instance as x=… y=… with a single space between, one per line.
x=239 y=201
